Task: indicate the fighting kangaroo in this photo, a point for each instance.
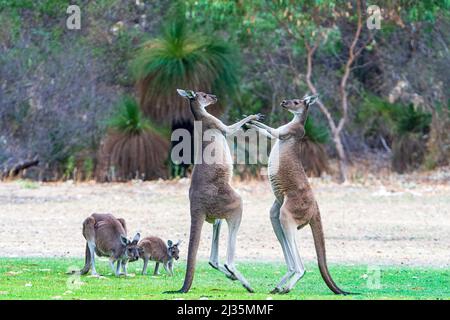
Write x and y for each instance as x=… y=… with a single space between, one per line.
x=211 y=196
x=294 y=206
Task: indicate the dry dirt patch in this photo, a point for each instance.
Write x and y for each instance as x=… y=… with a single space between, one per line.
x=373 y=224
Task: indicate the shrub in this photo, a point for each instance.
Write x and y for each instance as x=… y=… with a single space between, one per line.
x=180 y=58
x=132 y=148
x=409 y=146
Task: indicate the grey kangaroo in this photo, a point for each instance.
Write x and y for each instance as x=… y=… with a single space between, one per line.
x=155 y=249
x=211 y=196
x=294 y=205
x=106 y=236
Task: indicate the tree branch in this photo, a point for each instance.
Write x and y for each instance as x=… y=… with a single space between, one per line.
x=351 y=58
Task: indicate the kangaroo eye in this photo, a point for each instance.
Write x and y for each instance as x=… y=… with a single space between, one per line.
x=295 y=102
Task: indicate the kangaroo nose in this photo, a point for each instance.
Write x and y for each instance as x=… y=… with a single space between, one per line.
x=283 y=102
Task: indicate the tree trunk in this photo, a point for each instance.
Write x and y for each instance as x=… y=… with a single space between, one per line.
x=342 y=157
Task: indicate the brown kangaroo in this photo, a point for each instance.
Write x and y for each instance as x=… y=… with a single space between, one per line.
x=294 y=206
x=106 y=236
x=155 y=249
x=211 y=196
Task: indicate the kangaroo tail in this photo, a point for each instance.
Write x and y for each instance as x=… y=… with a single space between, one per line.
x=87 y=261
x=319 y=242
x=194 y=242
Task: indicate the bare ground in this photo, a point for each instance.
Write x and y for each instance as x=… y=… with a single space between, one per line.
x=395 y=221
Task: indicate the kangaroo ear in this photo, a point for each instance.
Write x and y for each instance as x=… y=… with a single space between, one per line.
x=124 y=240
x=311 y=99
x=136 y=238
x=169 y=243
x=178 y=243
x=189 y=94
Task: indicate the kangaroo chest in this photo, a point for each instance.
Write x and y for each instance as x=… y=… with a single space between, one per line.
x=285 y=170
x=216 y=163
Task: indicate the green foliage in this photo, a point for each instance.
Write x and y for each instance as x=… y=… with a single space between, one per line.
x=27 y=184
x=183 y=58
x=424 y=10
x=316 y=132
x=180 y=56
x=69 y=167
x=245 y=103
x=52 y=8
x=412 y=120
x=129 y=118
x=88 y=167
x=377 y=115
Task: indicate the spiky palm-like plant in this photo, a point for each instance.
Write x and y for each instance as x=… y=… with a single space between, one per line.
x=132 y=149
x=313 y=155
x=409 y=147
x=182 y=59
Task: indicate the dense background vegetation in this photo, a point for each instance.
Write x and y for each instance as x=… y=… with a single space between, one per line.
x=62 y=91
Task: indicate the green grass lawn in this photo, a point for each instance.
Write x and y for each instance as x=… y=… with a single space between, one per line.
x=46 y=279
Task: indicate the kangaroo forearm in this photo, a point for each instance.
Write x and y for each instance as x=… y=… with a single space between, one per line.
x=265 y=132
x=262 y=125
x=275 y=133
x=235 y=127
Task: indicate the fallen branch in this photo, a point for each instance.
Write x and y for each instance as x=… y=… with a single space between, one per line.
x=17 y=168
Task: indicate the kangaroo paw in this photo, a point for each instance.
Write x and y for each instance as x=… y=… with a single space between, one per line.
x=285 y=291
x=214 y=265
x=275 y=291
x=175 y=291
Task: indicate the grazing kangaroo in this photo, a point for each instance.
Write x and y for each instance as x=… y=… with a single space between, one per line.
x=211 y=196
x=106 y=236
x=155 y=249
x=294 y=206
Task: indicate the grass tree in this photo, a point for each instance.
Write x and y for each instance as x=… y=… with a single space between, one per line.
x=180 y=58
x=410 y=145
x=132 y=148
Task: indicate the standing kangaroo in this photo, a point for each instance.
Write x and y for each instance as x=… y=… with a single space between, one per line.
x=106 y=236
x=294 y=206
x=155 y=249
x=211 y=196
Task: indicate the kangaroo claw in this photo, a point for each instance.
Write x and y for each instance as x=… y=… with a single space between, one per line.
x=175 y=291
x=275 y=291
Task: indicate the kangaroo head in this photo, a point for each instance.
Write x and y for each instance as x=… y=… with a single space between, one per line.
x=173 y=250
x=131 y=249
x=298 y=105
x=203 y=99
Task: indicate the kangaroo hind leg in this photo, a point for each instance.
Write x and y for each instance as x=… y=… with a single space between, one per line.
x=89 y=235
x=214 y=257
x=234 y=222
x=278 y=229
x=289 y=227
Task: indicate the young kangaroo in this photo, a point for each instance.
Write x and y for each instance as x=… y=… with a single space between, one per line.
x=106 y=236
x=211 y=196
x=294 y=206
x=154 y=249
